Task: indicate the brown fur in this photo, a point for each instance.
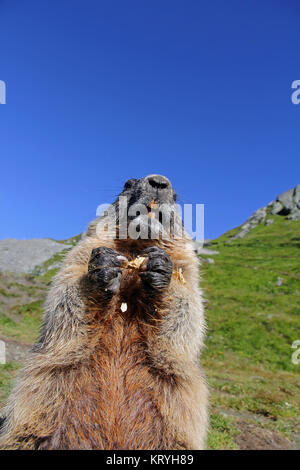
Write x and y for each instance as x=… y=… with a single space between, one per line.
x=102 y=379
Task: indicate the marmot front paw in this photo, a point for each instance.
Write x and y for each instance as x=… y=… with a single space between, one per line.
x=104 y=269
x=157 y=271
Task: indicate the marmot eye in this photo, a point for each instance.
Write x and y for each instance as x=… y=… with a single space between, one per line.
x=129 y=183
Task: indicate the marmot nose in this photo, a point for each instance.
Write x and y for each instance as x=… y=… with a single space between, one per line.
x=158 y=181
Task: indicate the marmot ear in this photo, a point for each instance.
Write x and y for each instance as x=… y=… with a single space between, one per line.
x=129 y=183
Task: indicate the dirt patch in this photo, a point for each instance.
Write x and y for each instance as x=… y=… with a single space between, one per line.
x=252 y=437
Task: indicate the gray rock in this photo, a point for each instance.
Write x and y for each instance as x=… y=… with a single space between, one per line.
x=269 y=221
x=297 y=196
x=200 y=250
x=276 y=207
x=294 y=215
x=258 y=378
x=198 y=245
x=287 y=199
x=290 y=201
x=24 y=255
x=279 y=281
x=206 y=251
x=208 y=260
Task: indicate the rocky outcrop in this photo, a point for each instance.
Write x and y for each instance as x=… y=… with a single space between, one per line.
x=287 y=205
x=257 y=218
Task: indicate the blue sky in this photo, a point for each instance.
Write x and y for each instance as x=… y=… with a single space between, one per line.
x=102 y=91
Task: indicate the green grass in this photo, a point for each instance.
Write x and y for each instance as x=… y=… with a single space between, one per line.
x=248 y=313
x=24 y=323
x=221 y=434
x=47 y=277
x=252 y=323
x=7 y=374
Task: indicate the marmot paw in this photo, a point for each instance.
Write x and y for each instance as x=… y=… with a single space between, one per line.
x=157 y=272
x=104 y=269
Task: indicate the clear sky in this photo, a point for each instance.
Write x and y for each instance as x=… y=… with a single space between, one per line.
x=102 y=91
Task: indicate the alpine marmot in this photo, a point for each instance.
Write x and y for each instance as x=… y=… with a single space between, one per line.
x=117 y=365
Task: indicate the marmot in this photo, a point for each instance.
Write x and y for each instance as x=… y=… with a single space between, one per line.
x=116 y=365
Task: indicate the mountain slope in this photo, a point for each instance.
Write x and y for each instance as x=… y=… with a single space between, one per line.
x=253 y=293
x=23 y=255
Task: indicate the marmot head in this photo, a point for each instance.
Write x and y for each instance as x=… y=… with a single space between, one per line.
x=146 y=209
x=151 y=188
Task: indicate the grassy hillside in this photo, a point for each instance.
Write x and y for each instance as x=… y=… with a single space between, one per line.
x=253 y=298
x=253 y=314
